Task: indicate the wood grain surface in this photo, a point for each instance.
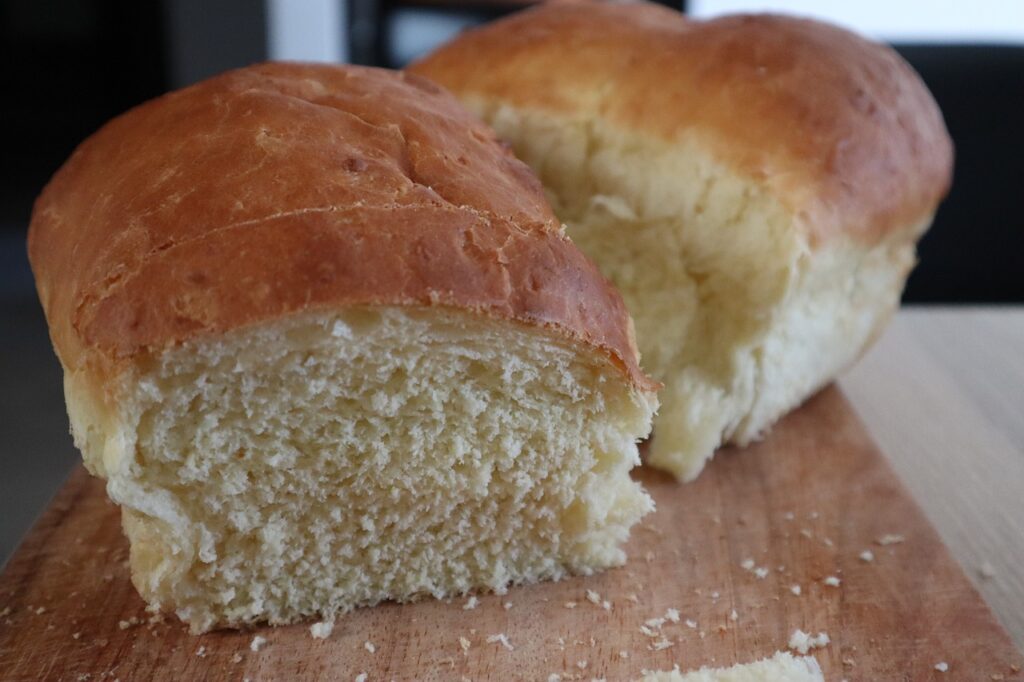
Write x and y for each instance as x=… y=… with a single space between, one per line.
x=803 y=505
x=942 y=393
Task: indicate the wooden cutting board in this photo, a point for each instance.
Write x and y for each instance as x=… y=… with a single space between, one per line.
x=803 y=505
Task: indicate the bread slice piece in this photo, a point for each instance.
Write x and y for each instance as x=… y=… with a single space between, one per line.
x=782 y=667
x=754 y=185
x=327 y=344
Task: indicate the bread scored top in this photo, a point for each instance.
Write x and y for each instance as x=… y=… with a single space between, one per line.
x=282 y=188
x=839 y=128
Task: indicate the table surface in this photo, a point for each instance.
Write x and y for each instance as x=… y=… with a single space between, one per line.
x=942 y=393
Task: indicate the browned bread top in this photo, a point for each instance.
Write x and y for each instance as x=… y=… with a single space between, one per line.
x=840 y=129
x=282 y=188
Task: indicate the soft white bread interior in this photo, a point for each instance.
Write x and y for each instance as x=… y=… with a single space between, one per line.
x=333 y=460
x=328 y=345
x=754 y=186
x=782 y=667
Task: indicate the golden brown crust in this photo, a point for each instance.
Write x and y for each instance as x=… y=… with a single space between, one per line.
x=840 y=129
x=282 y=188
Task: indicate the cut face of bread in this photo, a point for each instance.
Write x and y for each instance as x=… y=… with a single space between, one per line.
x=736 y=312
x=337 y=459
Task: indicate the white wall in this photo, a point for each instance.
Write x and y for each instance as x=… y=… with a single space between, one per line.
x=307 y=30
x=963 y=21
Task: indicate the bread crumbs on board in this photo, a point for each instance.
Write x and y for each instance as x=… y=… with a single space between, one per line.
x=257 y=643
x=802 y=642
x=502 y=639
x=321 y=630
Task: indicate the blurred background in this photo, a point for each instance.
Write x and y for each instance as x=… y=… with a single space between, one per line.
x=66 y=66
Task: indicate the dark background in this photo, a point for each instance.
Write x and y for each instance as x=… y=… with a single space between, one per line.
x=66 y=66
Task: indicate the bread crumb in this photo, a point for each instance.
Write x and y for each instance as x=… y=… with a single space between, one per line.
x=660 y=645
x=201 y=652
x=76 y=635
x=361 y=677
x=942 y=666
x=714 y=595
x=795 y=589
x=623 y=654
x=507 y=605
x=322 y=630
x=464 y=644
x=593 y=597
x=802 y=642
x=633 y=598
x=41 y=610
x=692 y=624
x=237 y=658
x=832 y=581
x=368 y=645
x=582 y=665
x=890 y=539
x=554 y=677
x=672 y=615
x=606 y=605
x=789 y=516
x=986 y=571
x=470 y=604
x=733 y=616
x=570 y=604
x=867 y=556
x=760 y=571
x=849 y=662
x=257 y=642
x=806 y=533
x=828 y=542
x=500 y=638
x=648 y=631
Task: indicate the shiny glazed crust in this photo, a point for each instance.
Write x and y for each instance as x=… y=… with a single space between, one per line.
x=282 y=188
x=840 y=129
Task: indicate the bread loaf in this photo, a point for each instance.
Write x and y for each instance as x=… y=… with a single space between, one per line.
x=328 y=345
x=754 y=185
